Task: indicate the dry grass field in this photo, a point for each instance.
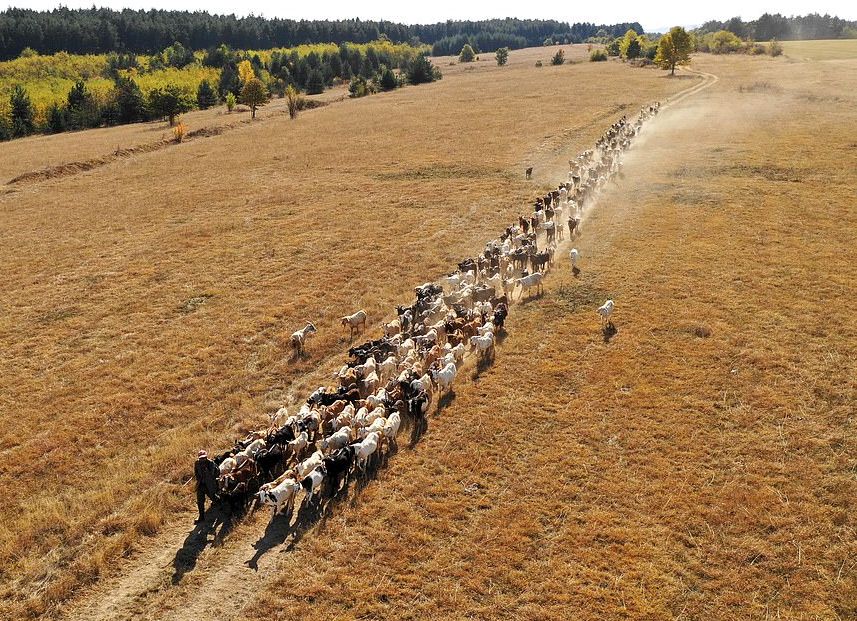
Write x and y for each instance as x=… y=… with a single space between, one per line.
x=701 y=464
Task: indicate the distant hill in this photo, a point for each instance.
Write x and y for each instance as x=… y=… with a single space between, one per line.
x=99 y=31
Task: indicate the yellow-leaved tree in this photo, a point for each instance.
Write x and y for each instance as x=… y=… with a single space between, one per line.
x=674 y=48
x=245 y=71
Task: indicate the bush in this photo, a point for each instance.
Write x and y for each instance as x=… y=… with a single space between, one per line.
x=294 y=101
x=538 y=63
x=387 y=80
x=502 y=56
x=179 y=131
x=614 y=47
x=467 y=54
x=598 y=56
x=775 y=48
x=558 y=58
x=358 y=87
x=230 y=102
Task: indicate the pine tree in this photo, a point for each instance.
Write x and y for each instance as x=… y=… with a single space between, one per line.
x=21 y=113
x=315 y=82
x=205 y=96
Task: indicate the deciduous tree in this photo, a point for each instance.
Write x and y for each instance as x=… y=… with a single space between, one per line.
x=673 y=49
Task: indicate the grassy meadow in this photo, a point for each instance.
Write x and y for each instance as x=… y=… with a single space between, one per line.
x=700 y=464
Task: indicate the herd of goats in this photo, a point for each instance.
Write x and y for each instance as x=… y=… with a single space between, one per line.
x=351 y=426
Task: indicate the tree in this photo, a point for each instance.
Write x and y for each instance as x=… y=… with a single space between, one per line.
x=254 y=94
x=629 y=46
x=169 y=102
x=82 y=108
x=230 y=102
x=775 y=48
x=388 y=80
x=228 y=82
x=245 y=71
x=315 y=82
x=130 y=103
x=502 y=56
x=420 y=70
x=205 y=96
x=56 y=119
x=558 y=58
x=21 y=113
x=467 y=54
x=673 y=49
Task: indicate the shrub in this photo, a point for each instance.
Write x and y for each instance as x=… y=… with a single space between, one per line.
x=598 y=56
x=614 y=47
x=230 y=102
x=558 y=58
x=387 y=80
x=538 y=63
x=502 y=56
x=467 y=54
x=723 y=42
x=294 y=101
x=775 y=48
x=179 y=131
x=358 y=87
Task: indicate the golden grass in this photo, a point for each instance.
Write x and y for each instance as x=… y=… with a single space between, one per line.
x=834 y=49
x=146 y=303
x=700 y=465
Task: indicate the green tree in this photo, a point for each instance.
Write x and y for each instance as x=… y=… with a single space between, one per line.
x=56 y=119
x=613 y=48
x=558 y=58
x=228 y=82
x=82 y=108
x=629 y=46
x=205 y=96
x=502 y=55
x=230 y=102
x=130 y=103
x=21 y=112
x=315 y=82
x=254 y=94
x=420 y=70
x=169 y=102
x=673 y=49
x=388 y=80
x=467 y=54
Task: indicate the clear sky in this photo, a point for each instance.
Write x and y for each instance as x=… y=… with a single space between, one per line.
x=653 y=15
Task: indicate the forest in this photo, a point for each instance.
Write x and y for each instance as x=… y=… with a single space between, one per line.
x=101 y=30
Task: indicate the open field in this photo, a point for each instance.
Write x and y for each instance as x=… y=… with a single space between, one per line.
x=835 y=49
x=151 y=297
x=700 y=464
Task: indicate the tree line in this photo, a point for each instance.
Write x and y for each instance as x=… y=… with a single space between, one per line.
x=244 y=77
x=102 y=30
x=776 y=26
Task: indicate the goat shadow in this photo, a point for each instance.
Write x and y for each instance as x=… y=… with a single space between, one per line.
x=609 y=331
x=524 y=301
x=575 y=271
x=444 y=401
x=197 y=540
x=483 y=364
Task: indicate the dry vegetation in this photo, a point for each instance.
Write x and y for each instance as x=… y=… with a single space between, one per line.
x=699 y=465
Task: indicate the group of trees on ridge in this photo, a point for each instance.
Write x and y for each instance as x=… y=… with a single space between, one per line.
x=776 y=26
x=267 y=74
x=102 y=30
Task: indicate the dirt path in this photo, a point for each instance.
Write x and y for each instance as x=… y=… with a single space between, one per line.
x=214 y=570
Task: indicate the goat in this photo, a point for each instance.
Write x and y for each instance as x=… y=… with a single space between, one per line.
x=354 y=322
x=605 y=310
x=527 y=282
x=299 y=338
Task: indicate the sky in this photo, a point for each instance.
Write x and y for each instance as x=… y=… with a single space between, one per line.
x=652 y=16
